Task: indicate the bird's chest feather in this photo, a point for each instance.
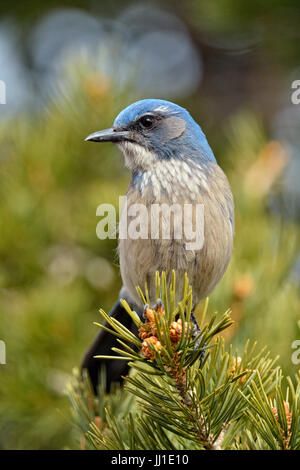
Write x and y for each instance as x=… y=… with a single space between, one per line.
x=153 y=231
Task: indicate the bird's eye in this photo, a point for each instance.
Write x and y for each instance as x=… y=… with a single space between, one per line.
x=147 y=121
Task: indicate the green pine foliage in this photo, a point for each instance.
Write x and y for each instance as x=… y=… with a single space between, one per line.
x=187 y=391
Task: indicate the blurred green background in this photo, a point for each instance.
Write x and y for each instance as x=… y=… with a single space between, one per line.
x=69 y=68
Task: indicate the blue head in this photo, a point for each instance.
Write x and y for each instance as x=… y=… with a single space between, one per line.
x=153 y=130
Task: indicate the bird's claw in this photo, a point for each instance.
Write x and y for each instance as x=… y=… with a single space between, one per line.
x=158 y=307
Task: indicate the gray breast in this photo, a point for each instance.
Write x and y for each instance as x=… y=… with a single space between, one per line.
x=141 y=257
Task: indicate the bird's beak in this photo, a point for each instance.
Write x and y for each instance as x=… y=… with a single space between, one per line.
x=109 y=135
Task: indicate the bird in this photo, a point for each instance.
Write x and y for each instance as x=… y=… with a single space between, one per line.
x=171 y=165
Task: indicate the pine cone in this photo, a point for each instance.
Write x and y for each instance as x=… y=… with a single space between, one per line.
x=146 y=349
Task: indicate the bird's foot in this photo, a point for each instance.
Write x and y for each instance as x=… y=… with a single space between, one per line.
x=196 y=333
x=158 y=307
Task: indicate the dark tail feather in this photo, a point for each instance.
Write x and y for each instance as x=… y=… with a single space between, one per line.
x=102 y=345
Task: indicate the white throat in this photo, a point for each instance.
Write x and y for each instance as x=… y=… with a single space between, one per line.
x=136 y=156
